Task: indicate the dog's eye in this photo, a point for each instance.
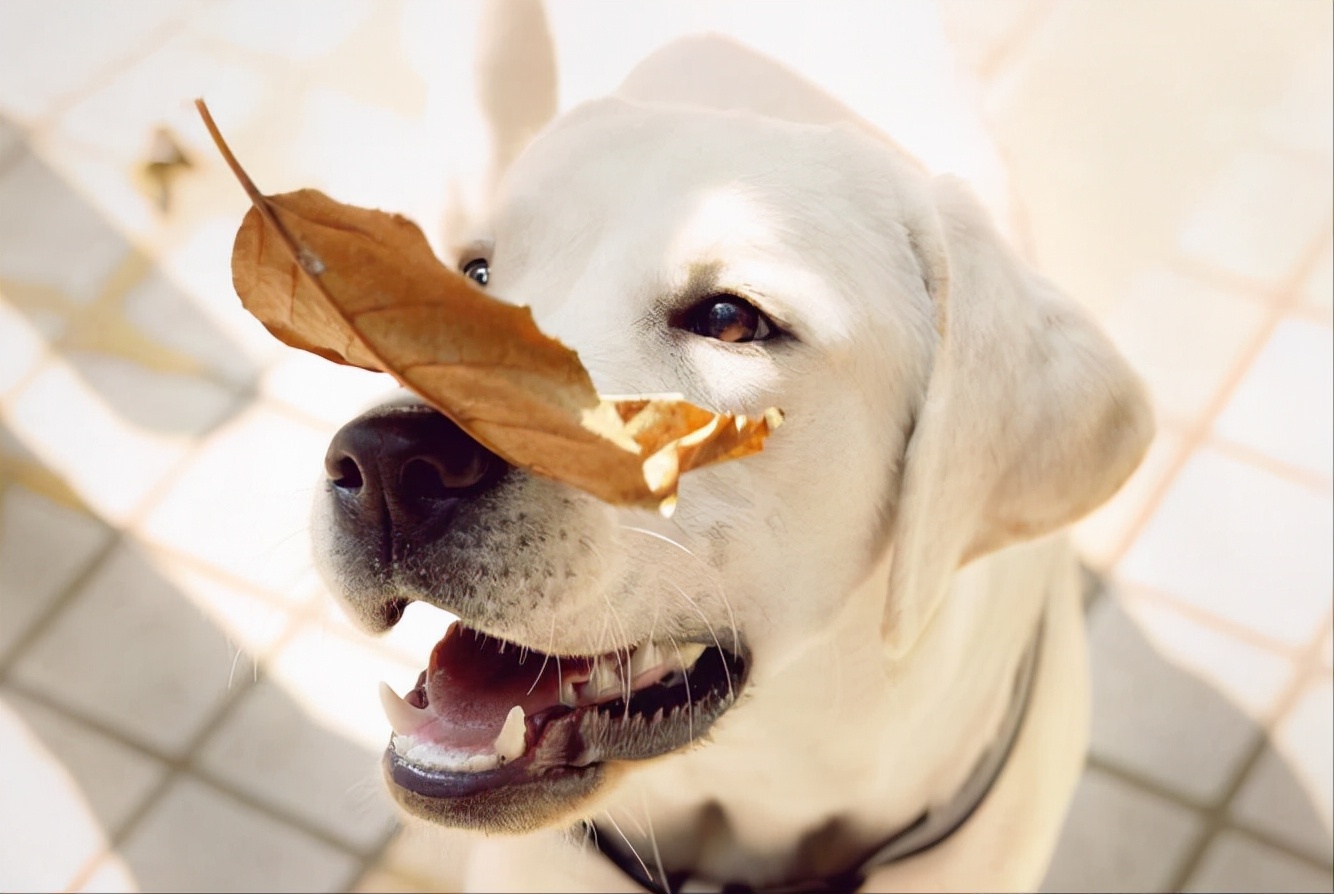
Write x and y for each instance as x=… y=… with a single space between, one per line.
x=478 y=270
x=728 y=318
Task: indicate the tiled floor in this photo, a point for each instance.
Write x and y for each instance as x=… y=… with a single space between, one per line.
x=160 y=626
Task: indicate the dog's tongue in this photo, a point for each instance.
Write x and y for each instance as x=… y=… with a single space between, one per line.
x=473 y=682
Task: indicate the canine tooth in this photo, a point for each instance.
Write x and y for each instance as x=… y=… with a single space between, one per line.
x=403 y=717
x=646 y=657
x=568 y=698
x=604 y=679
x=510 y=743
x=690 y=653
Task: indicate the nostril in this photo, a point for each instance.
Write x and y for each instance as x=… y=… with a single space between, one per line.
x=421 y=480
x=345 y=473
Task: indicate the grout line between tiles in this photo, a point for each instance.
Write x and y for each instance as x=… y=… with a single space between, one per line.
x=1322 y=484
x=221 y=574
x=11 y=157
x=1319 y=316
x=60 y=602
x=178 y=765
x=1216 y=818
x=1206 y=618
x=183 y=764
x=120 y=534
x=154 y=41
x=1238 y=284
x=1285 y=297
x=371 y=859
x=1136 y=780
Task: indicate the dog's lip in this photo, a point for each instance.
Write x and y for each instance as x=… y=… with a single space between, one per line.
x=559 y=740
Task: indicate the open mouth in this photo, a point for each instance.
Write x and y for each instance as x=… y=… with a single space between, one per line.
x=487 y=714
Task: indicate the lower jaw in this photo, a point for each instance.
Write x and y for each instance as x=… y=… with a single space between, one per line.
x=570 y=756
x=526 y=804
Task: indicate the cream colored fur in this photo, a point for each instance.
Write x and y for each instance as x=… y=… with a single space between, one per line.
x=888 y=556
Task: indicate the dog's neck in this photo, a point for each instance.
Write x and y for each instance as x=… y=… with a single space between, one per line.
x=803 y=806
x=930 y=829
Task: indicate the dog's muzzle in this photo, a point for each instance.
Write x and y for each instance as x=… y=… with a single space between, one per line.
x=398 y=475
x=496 y=734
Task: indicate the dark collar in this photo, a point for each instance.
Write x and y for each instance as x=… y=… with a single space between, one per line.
x=927 y=831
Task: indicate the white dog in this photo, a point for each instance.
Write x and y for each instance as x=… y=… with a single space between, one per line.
x=855 y=660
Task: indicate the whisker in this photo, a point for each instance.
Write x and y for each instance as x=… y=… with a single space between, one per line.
x=634 y=853
x=625 y=676
x=685 y=677
x=231 y=673
x=717 y=586
x=652 y=836
x=546 y=656
x=713 y=633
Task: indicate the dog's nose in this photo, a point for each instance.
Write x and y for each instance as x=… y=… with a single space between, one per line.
x=410 y=461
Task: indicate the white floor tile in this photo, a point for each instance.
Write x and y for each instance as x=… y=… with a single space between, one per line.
x=1119 y=838
x=1116 y=120
x=335 y=680
x=411 y=639
x=101 y=144
x=50 y=236
x=43 y=546
x=199 y=839
x=24 y=340
x=1175 y=701
x=1260 y=216
x=199 y=263
x=270 y=748
x=298 y=31
x=1289 y=792
x=109 y=875
x=11 y=139
x=257 y=477
x=1303 y=116
x=1099 y=535
x=1183 y=374
x=1239 y=863
x=51 y=51
x=44 y=816
x=112 y=779
x=133 y=651
x=171 y=317
x=110 y=428
x=1284 y=407
x=1243 y=544
x=329 y=392
x=1318 y=290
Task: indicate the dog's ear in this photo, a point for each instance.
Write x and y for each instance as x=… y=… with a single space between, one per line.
x=516 y=77
x=1030 y=420
x=515 y=94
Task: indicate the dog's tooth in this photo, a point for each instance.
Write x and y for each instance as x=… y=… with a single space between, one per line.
x=689 y=654
x=510 y=743
x=604 y=679
x=568 y=698
x=403 y=717
x=646 y=657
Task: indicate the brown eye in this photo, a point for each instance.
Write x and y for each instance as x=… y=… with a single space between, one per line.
x=478 y=270
x=728 y=318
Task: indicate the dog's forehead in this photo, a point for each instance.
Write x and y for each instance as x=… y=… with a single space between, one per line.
x=611 y=152
x=668 y=196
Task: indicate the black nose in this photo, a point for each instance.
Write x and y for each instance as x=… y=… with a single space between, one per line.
x=410 y=462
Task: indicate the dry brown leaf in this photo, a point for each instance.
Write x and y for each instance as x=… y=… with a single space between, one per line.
x=362 y=287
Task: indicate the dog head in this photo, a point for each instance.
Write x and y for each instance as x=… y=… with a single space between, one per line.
x=941 y=402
